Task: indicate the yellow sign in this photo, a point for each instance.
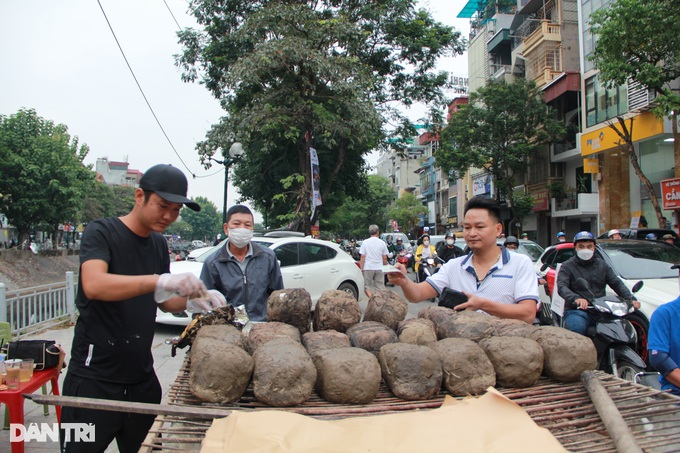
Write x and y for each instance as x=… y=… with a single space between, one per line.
x=591 y=165
x=645 y=125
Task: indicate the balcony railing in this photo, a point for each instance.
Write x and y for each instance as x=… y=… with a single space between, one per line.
x=548 y=31
x=575 y=203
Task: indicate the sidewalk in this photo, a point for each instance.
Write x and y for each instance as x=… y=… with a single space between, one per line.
x=166 y=367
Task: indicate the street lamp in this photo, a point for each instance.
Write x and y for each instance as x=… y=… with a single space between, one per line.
x=235 y=153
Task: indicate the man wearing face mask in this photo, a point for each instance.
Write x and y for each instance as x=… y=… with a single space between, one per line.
x=243 y=271
x=589 y=266
x=447 y=249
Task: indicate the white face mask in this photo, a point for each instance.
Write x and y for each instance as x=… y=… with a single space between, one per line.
x=426 y=243
x=450 y=241
x=240 y=237
x=585 y=254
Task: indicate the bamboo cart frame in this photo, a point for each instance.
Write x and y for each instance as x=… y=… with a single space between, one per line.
x=565 y=409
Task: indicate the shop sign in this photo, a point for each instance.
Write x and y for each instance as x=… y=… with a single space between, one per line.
x=452 y=220
x=541 y=201
x=644 y=126
x=591 y=165
x=670 y=193
x=315 y=231
x=481 y=185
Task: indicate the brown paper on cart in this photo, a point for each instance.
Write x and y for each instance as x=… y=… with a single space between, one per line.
x=490 y=423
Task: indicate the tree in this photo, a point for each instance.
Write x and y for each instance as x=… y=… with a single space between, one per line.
x=406 y=211
x=639 y=41
x=42 y=176
x=206 y=223
x=354 y=215
x=499 y=131
x=124 y=199
x=323 y=74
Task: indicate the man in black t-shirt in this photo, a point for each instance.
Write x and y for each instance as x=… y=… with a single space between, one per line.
x=124 y=276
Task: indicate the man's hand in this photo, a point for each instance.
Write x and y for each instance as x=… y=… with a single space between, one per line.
x=473 y=303
x=581 y=304
x=398 y=278
x=178 y=285
x=209 y=301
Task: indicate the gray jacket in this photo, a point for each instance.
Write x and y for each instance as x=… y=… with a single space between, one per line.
x=252 y=289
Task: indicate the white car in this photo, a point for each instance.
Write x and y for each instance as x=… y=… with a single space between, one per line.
x=308 y=263
x=198 y=243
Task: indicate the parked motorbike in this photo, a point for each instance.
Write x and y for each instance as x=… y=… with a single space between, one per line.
x=613 y=335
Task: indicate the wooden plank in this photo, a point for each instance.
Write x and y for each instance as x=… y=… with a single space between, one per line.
x=127 y=406
x=622 y=436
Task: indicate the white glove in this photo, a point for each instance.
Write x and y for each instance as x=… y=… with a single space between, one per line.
x=209 y=301
x=174 y=285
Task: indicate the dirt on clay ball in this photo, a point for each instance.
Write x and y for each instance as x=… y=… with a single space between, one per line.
x=23 y=269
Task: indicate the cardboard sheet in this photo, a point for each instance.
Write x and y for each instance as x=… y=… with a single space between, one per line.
x=489 y=423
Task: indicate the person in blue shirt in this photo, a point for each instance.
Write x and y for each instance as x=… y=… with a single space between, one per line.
x=664 y=344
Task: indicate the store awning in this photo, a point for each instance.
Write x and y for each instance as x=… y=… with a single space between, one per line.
x=470 y=8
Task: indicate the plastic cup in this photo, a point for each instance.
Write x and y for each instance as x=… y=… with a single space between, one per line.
x=13 y=368
x=26 y=370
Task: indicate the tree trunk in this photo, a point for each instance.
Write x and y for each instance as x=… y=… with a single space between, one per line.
x=626 y=142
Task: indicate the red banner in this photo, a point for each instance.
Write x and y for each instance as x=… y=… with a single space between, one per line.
x=670 y=193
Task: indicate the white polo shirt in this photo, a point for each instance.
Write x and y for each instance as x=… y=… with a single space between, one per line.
x=511 y=280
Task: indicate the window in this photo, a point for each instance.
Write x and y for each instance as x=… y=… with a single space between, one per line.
x=604 y=104
x=287 y=255
x=314 y=253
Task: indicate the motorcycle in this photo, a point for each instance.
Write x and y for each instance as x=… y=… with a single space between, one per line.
x=613 y=335
x=428 y=267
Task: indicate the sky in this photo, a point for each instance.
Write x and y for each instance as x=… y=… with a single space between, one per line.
x=60 y=58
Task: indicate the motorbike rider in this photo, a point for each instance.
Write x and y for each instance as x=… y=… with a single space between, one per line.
x=391 y=249
x=423 y=252
x=588 y=265
x=511 y=243
x=614 y=234
x=561 y=237
x=447 y=249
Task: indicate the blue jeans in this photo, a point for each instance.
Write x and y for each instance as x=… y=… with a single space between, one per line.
x=577 y=321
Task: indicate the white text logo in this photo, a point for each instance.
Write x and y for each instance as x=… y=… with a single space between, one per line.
x=73 y=432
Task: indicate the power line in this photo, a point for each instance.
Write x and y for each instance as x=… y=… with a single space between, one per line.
x=142 y=91
x=173 y=16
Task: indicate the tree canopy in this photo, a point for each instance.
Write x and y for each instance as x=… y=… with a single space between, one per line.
x=206 y=223
x=499 y=131
x=352 y=218
x=326 y=74
x=42 y=177
x=406 y=211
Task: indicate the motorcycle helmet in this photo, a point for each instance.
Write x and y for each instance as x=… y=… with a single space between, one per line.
x=613 y=232
x=561 y=234
x=651 y=237
x=389 y=238
x=399 y=239
x=584 y=236
x=510 y=240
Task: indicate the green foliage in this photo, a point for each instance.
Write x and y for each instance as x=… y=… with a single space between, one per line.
x=204 y=224
x=523 y=204
x=42 y=176
x=98 y=202
x=640 y=40
x=124 y=200
x=181 y=229
x=406 y=211
x=352 y=218
x=500 y=130
x=298 y=74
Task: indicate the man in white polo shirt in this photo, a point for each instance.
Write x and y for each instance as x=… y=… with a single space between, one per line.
x=496 y=281
x=373 y=256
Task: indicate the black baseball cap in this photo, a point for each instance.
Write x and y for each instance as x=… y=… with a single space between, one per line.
x=169 y=183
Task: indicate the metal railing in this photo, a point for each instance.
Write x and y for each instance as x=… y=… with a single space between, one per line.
x=32 y=310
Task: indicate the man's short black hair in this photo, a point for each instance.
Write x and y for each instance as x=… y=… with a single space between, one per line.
x=238 y=209
x=482 y=202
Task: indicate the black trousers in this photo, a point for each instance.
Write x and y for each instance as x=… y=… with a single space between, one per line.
x=129 y=430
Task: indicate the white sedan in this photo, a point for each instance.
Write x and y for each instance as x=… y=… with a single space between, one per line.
x=308 y=263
